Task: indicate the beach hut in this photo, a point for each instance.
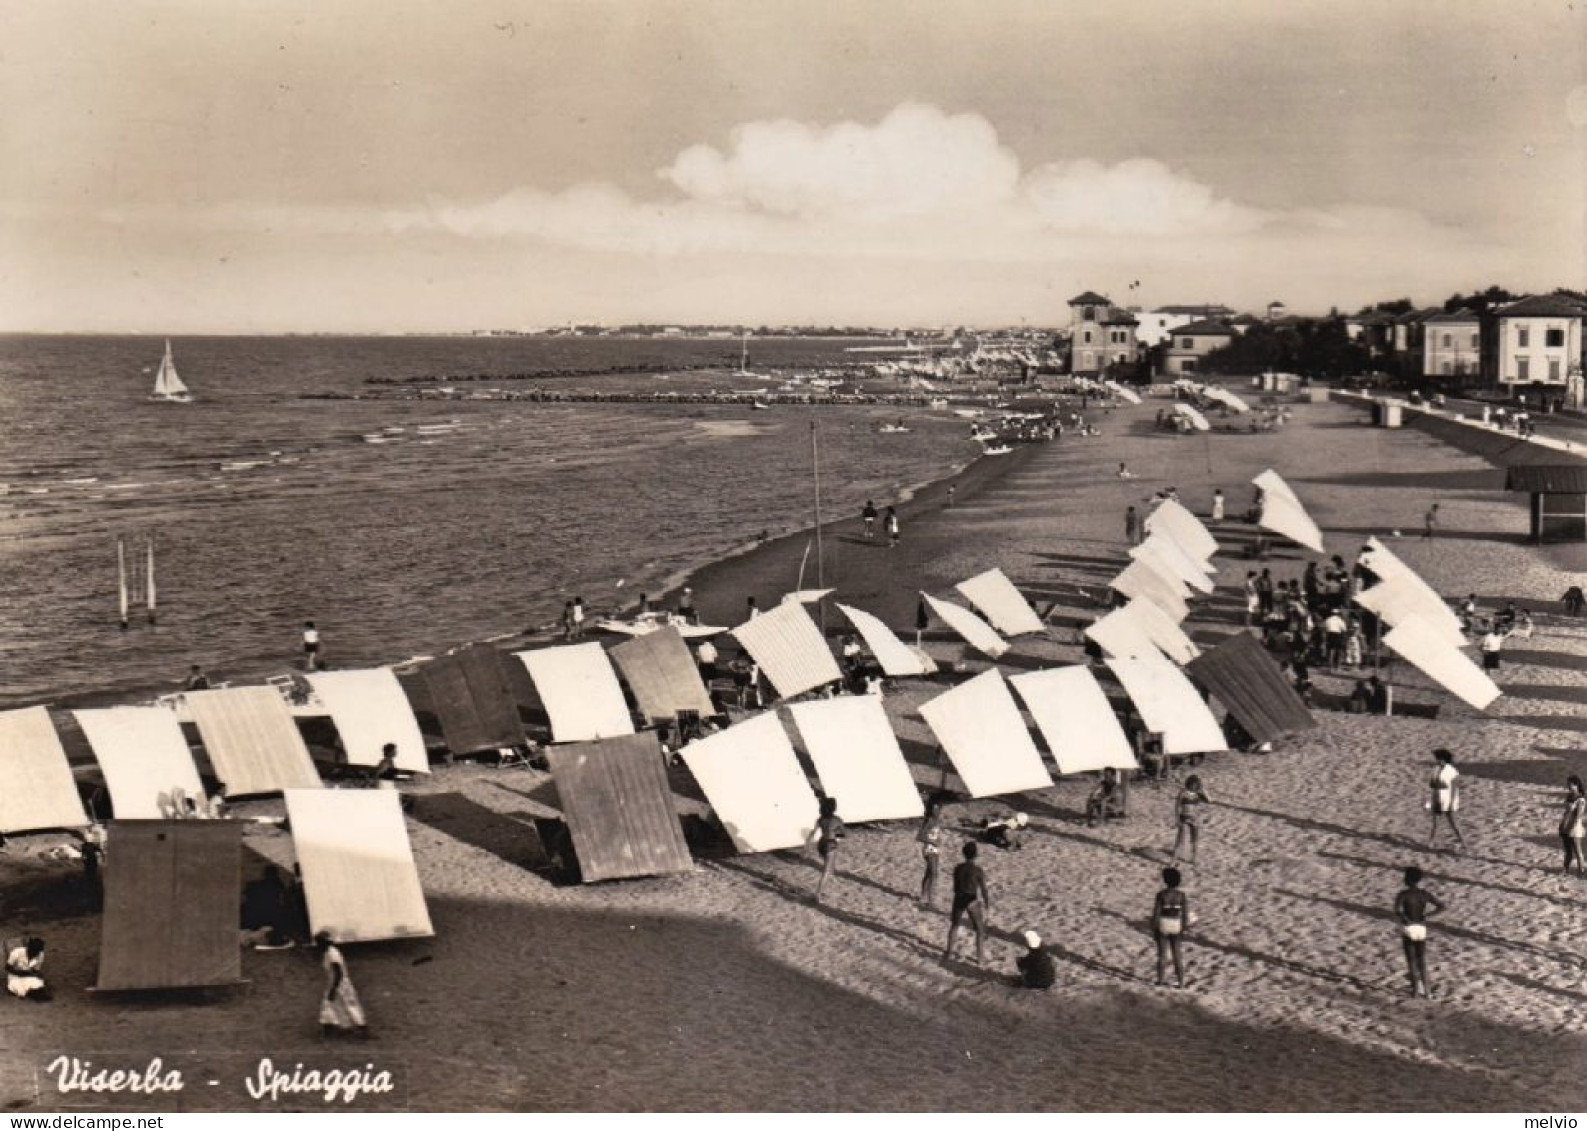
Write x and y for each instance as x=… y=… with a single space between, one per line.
x=144 y=757
x=370 y=709
x=752 y=780
x=663 y=675
x=359 y=877
x=984 y=736
x=171 y=894
x=619 y=808
x=975 y=631
x=1250 y=684
x=1074 y=716
x=1558 y=499
x=580 y=692
x=252 y=740
x=789 y=647
x=1425 y=647
x=473 y=699
x=1003 y=604
x=857 y=758
x=37 y=790
x=1169 y=705
x=895 y=657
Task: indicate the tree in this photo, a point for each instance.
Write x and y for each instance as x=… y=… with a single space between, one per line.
x=1478 y=302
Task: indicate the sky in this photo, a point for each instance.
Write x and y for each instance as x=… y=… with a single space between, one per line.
x=265 y=166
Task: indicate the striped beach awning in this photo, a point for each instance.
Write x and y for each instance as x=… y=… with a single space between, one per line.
x=252 y=740
x=1074 y=716
x=1423 y=646
x=1248 y=681
x=37 y=790
x=789 y=647
x=751 y=777
x=895 y=657
x=1002 y=604
x=370 y=709
x=1169 y=704
x=358 y=872
x=144 y=757
x=662 y=674
x=975 y=631
x=619 y=808
x=857 y=758
x=580 y=692
x=982 y=732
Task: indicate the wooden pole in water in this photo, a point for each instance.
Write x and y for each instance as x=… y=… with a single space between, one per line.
x=121 y=579
x=148 y=581
x=815 y=472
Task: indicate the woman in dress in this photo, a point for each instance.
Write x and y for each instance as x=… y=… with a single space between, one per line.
x=340 y=1009
x=1355 y=643
x=1187 y=816
x=1445 y=786
x=1573 y=824
x=23 y=964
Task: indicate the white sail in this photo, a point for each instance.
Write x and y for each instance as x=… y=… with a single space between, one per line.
x=148 y=581
x=167 y=385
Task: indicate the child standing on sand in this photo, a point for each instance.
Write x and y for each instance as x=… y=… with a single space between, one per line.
x=829 y=830
x=970 y=897
x=1186 y=816
x=930 y=840
x=1170 y=917
x=891 y=523
x=1412 y=907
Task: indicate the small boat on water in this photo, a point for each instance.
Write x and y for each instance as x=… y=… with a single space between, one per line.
x=996 y=450
x=937 y=402
x=651 y=622
x=759 y=404
x=893 y=429
x=168 y=387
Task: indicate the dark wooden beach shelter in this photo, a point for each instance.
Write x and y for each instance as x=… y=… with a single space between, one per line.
x=1559 y=499
x=662 y=674
x=619 y=808
x=171 y=911
x=473 y=700
x=1249 y=682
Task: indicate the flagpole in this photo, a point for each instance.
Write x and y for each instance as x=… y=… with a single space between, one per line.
x=815 y=473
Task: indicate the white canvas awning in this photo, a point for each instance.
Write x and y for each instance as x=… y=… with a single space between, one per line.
x=1272 y=483
x=982 y=732
x=37 y=790
x=895 y=657
x=144 y=756
x=751 y=778
x=1142 y=581
x=975 y=631
x=580 y=692
x=1227 y=398
x=1168 y=703
x=1404 y=596
x=1184 y=528
x=1163 y=553
x=370 y=709
x=359 y=877
x=790 y=649
x=1197 y=421
x=857 y=758
x=252 y=740
x=808 y=596
x=1127 y=395
x=1284 y=515
x=1004 y=605
x=1121 y=633
x=1075 y=717
x=1423 y=645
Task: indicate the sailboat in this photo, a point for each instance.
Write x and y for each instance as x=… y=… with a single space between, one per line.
x=168 y=387
x=743 y=362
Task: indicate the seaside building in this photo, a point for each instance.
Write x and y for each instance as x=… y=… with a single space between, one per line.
x=1193 y=342
x=1100 y=334
x=1535 y=345
x=1276 y=310
x=1452 y=347
x=1154 y=326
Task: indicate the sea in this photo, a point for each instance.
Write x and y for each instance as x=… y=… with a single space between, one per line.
x=401 y=527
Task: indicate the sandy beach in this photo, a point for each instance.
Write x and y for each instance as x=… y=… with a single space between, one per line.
x=728 y=989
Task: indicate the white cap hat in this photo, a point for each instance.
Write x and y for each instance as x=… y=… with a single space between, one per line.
x=1032 y=939
x=1021 y=820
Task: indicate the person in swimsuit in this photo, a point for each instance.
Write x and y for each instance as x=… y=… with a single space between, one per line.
x=829 y=830
x=311 y=646
x=930 y=839
x=1573 y=824
x=1412 y=908
x=869 y=516
x=1187 y=816
x=1445 y=786
x=969 y=897
x=1170 y=917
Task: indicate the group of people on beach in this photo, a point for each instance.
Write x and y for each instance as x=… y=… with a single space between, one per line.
x=889 y=519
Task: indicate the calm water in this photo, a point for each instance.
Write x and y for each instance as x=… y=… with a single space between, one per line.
x=472 y=519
